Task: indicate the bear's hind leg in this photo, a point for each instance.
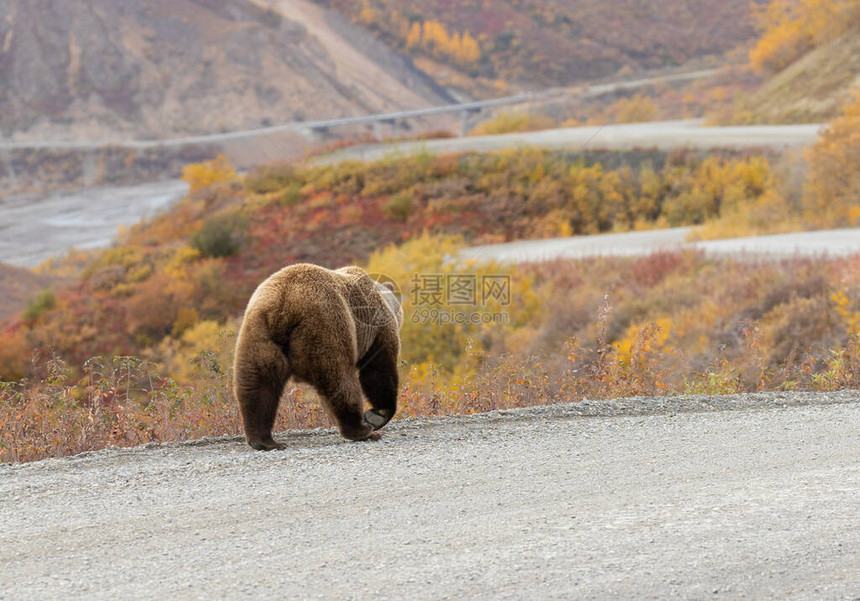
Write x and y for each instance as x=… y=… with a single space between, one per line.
x=379 y=381
x=259 y=383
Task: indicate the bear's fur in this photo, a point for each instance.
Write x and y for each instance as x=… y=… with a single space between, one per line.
x=337 y=330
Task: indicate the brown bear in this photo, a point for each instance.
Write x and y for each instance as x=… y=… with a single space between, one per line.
x=337 y=330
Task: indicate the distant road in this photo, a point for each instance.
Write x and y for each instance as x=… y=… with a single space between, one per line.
x=612 y=87
x=665 y=135
x=833 y=243
x=305 y=126
x=35 y=229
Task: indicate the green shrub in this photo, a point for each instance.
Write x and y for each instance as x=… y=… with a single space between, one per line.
x=270 y=178
x=399 y=206
x=44 y=301
x=220 y=236
x=292 y=195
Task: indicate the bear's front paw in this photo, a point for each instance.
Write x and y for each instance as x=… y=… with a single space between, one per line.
x=378 y=417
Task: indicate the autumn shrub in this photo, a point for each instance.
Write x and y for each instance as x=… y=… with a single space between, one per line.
x=803 y=327
x=831 y=197
x=219 y=236
x=635 y=109
x=505 y=123
x=790 y=28
x=14 y=353
x=124 y=401
x=44 y=301
x=199 y=176
x=399 y=206
x=438 y=325
x=154 y=307
x=434 y=38
x=292 y=195
x=669 y=323
x=264 y=179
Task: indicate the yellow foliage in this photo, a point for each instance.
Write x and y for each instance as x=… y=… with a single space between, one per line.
x=203 y=175
x=414 y=37
x=640 y=340
x=843 y=307
x=727 y=189
x=190 y=356
x=506 y=123
x=433 y=37
x=14 y=355
x=770 y=213
x=468 y=51
x=177 y=267
x=438 y=324
x=186 y=318
x=367 y=15
x=126 y=256
x=831 y=196
x=635 y=110
x=790 y=28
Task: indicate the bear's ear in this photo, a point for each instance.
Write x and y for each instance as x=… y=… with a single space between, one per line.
x=389 y=285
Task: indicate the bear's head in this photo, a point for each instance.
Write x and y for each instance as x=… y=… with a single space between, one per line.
x=391 y=295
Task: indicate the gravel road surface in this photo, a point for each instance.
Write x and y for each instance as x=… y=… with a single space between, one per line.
x=750 y=496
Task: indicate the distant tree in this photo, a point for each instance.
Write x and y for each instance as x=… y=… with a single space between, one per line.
x=832 y=192
x=203 y=175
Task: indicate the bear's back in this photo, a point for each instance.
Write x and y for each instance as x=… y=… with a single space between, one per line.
x=309 y=293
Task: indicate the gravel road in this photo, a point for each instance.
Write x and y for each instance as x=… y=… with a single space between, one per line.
x=754 y=496
x=665 y=135
x=35 y=229
x=829 y=243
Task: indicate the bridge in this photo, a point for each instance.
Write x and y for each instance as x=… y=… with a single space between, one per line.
x=324 y=125
x=377 y=120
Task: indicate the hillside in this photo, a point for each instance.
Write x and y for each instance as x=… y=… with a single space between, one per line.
x=806 y=60
x=136 y=347
x=814 y=88
x=556 y=42
x=17 y=286
x=211 y=248
x=95 y=69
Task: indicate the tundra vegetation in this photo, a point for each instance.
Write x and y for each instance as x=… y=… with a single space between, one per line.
x=133 y=344
x=137 y=348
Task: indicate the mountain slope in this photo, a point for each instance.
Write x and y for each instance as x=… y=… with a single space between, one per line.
x=814 y=88
x=557 y=42
x=98 y=69
x=17 y=286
